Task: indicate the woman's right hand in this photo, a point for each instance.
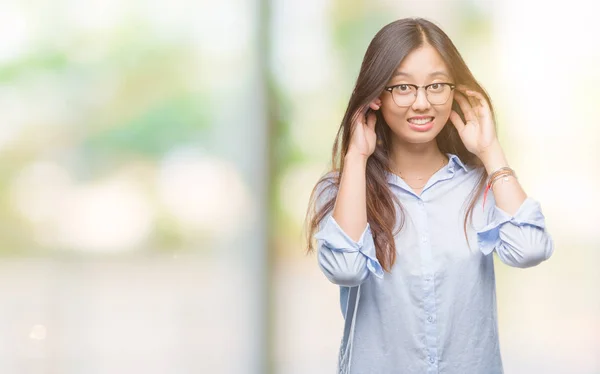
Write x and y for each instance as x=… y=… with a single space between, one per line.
x=363 y=138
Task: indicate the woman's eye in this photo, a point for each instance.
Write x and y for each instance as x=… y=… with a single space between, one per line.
x=403 y=87
x=436 y=87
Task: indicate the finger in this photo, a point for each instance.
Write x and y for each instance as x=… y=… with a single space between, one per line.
x=360 y=114
x=457 y=121
x=476 y=96
x=479 y=98
x=474 y=104
x=371 y=120
x=466 y=108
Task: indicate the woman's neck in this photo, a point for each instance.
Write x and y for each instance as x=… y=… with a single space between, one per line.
x=416 y=159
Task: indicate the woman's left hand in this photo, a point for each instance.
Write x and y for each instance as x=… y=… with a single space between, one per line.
x=478 y=134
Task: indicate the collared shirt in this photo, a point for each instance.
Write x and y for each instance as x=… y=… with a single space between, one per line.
x=435 y=311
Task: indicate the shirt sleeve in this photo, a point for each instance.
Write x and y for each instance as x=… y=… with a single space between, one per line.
x=520 y=240
x=344 y=261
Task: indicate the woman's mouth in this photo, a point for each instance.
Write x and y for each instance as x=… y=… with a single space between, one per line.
x=421 y=123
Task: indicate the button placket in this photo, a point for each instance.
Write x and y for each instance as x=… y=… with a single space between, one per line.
x=429 y=301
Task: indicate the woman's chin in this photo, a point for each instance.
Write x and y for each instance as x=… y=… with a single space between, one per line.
x=417 y=137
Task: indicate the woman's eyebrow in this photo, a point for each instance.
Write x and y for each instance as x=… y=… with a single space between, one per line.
x=438 y=72
x=398 y=73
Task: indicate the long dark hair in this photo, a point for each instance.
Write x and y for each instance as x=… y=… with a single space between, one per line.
x=385 y=52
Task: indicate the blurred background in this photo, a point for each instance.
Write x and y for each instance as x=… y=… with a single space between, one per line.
x=156 y=160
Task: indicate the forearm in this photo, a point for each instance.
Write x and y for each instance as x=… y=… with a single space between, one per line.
x=350 y=211
x=508 y=193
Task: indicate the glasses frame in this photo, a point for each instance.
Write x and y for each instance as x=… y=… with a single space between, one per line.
x=390 y=88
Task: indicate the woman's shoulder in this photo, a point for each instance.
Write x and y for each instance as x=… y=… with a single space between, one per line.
x=326 y=187
x=328 y=179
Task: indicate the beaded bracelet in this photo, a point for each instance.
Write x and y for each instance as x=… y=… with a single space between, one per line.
x=498 y=174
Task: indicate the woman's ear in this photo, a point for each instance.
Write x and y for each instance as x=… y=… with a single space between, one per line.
x=375 y=104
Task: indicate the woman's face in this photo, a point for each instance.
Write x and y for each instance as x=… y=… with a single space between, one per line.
x=419 y=121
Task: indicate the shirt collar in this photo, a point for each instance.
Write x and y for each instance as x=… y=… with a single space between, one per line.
x=453 y=162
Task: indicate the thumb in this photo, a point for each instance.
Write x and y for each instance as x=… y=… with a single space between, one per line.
x=457 y=121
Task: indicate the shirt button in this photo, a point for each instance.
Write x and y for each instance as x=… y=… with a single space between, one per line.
x=421 y=202
x=424 y=239
x=430 y=319
x=431 y=359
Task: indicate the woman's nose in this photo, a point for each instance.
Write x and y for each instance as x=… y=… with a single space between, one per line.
x=421 y=101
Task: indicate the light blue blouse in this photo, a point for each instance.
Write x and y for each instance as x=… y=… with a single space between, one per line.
x=435 y=312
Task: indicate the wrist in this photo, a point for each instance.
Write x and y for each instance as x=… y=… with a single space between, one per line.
x=493 y=158
x=355 y=157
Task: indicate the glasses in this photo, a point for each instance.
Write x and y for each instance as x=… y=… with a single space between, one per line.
x=405 y=94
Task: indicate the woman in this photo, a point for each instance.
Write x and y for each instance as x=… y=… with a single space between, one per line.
x=406 y=224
